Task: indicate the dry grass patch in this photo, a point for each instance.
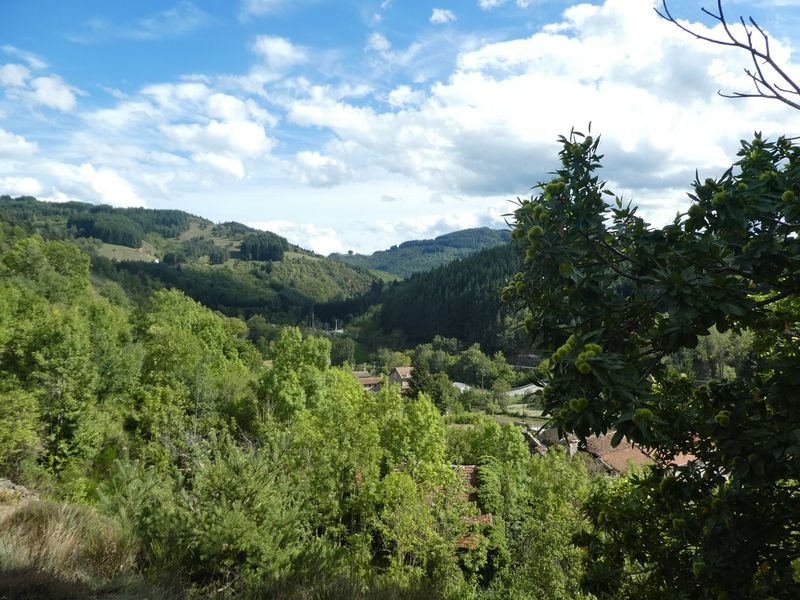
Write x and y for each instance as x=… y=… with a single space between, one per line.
x=66 y=542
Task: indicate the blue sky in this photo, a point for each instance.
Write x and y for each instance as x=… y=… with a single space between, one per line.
x=357 y=124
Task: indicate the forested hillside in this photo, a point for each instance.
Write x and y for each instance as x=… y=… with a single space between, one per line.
x=459 y=300
x=176 y=464
x=423 y=255
x=228 y=267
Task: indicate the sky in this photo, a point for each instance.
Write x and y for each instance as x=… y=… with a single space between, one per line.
x=358 y=124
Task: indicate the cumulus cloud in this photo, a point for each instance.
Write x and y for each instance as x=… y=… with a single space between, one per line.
x=404 y=96
x=322 y=240
x=278 y=53
x=90 y=184
x=46 y=90
x=490 y=128
x=243 y=138
x=315 y=169
x=14 y=75
x=440 y=16
x=225 y=164
x=53 y=92
x=20 y=186
x=189 y=120
x=15 y=146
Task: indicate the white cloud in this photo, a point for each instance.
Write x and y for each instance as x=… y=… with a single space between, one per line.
x=279 y=54
x=244 y=138
x=378 y=42
x=20 y=186
x=404 y=96
x=440 y=16
x=322 y=240
x=315 y=169
x=489 y=4
x=53 y=92
x=15 y=146
x=90 y=184
x=14 y=75
x=491 y=126
x=431 y=226
x=46 y=90
x=225 y=164
x=34 y=62
x=175 y=97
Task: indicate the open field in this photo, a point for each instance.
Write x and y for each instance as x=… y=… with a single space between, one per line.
x=146 y=253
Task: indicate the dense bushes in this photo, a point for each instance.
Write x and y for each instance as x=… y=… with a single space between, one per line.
x=263 y=246
x=196 y=463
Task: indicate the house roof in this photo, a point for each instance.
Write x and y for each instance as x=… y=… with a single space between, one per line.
x=469 y=473
x=524 y=390
x=404 y=372
x=370 y=380
x=360 y=374
x=620 y=458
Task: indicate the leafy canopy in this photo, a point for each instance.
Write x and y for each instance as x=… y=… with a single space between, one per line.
x=611 y=297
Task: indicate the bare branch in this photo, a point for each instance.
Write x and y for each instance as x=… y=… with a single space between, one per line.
x=769 y=78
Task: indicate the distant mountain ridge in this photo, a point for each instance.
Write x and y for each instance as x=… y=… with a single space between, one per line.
x=228 y=267
x=416 y=256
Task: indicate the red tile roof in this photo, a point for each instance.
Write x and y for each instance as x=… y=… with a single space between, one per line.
x=620 y=458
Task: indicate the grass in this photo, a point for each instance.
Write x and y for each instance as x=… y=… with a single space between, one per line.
x=65 y=551
x=146 y=253
x=195 y=230
x=511 y=419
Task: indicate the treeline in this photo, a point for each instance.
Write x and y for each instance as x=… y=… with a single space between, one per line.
x=123 y=226
x=173 y=454
x=284 y=292
x=415 y=256
x=460 y=300
x=263 y=246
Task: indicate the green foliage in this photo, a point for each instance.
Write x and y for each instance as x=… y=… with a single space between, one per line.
x=59 y=220
x=111 y=228
x=284 y=291
x=239 y=521
x=343 y=350
x=611 y=296
x=459 y=300
x=423 y=255
x=263 y=246
x=487 y=439
x=217 y=471
x=19 y=428
x=295 y=379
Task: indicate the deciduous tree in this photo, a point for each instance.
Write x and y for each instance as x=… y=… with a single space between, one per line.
x=610 y=297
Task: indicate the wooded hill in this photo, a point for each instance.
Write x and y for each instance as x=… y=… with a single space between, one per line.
x=416 y=256
x=243 y=272
x=228 y=267
x=458 y=300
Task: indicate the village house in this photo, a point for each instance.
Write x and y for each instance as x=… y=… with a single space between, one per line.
x=402 y=376
x=369 y=382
